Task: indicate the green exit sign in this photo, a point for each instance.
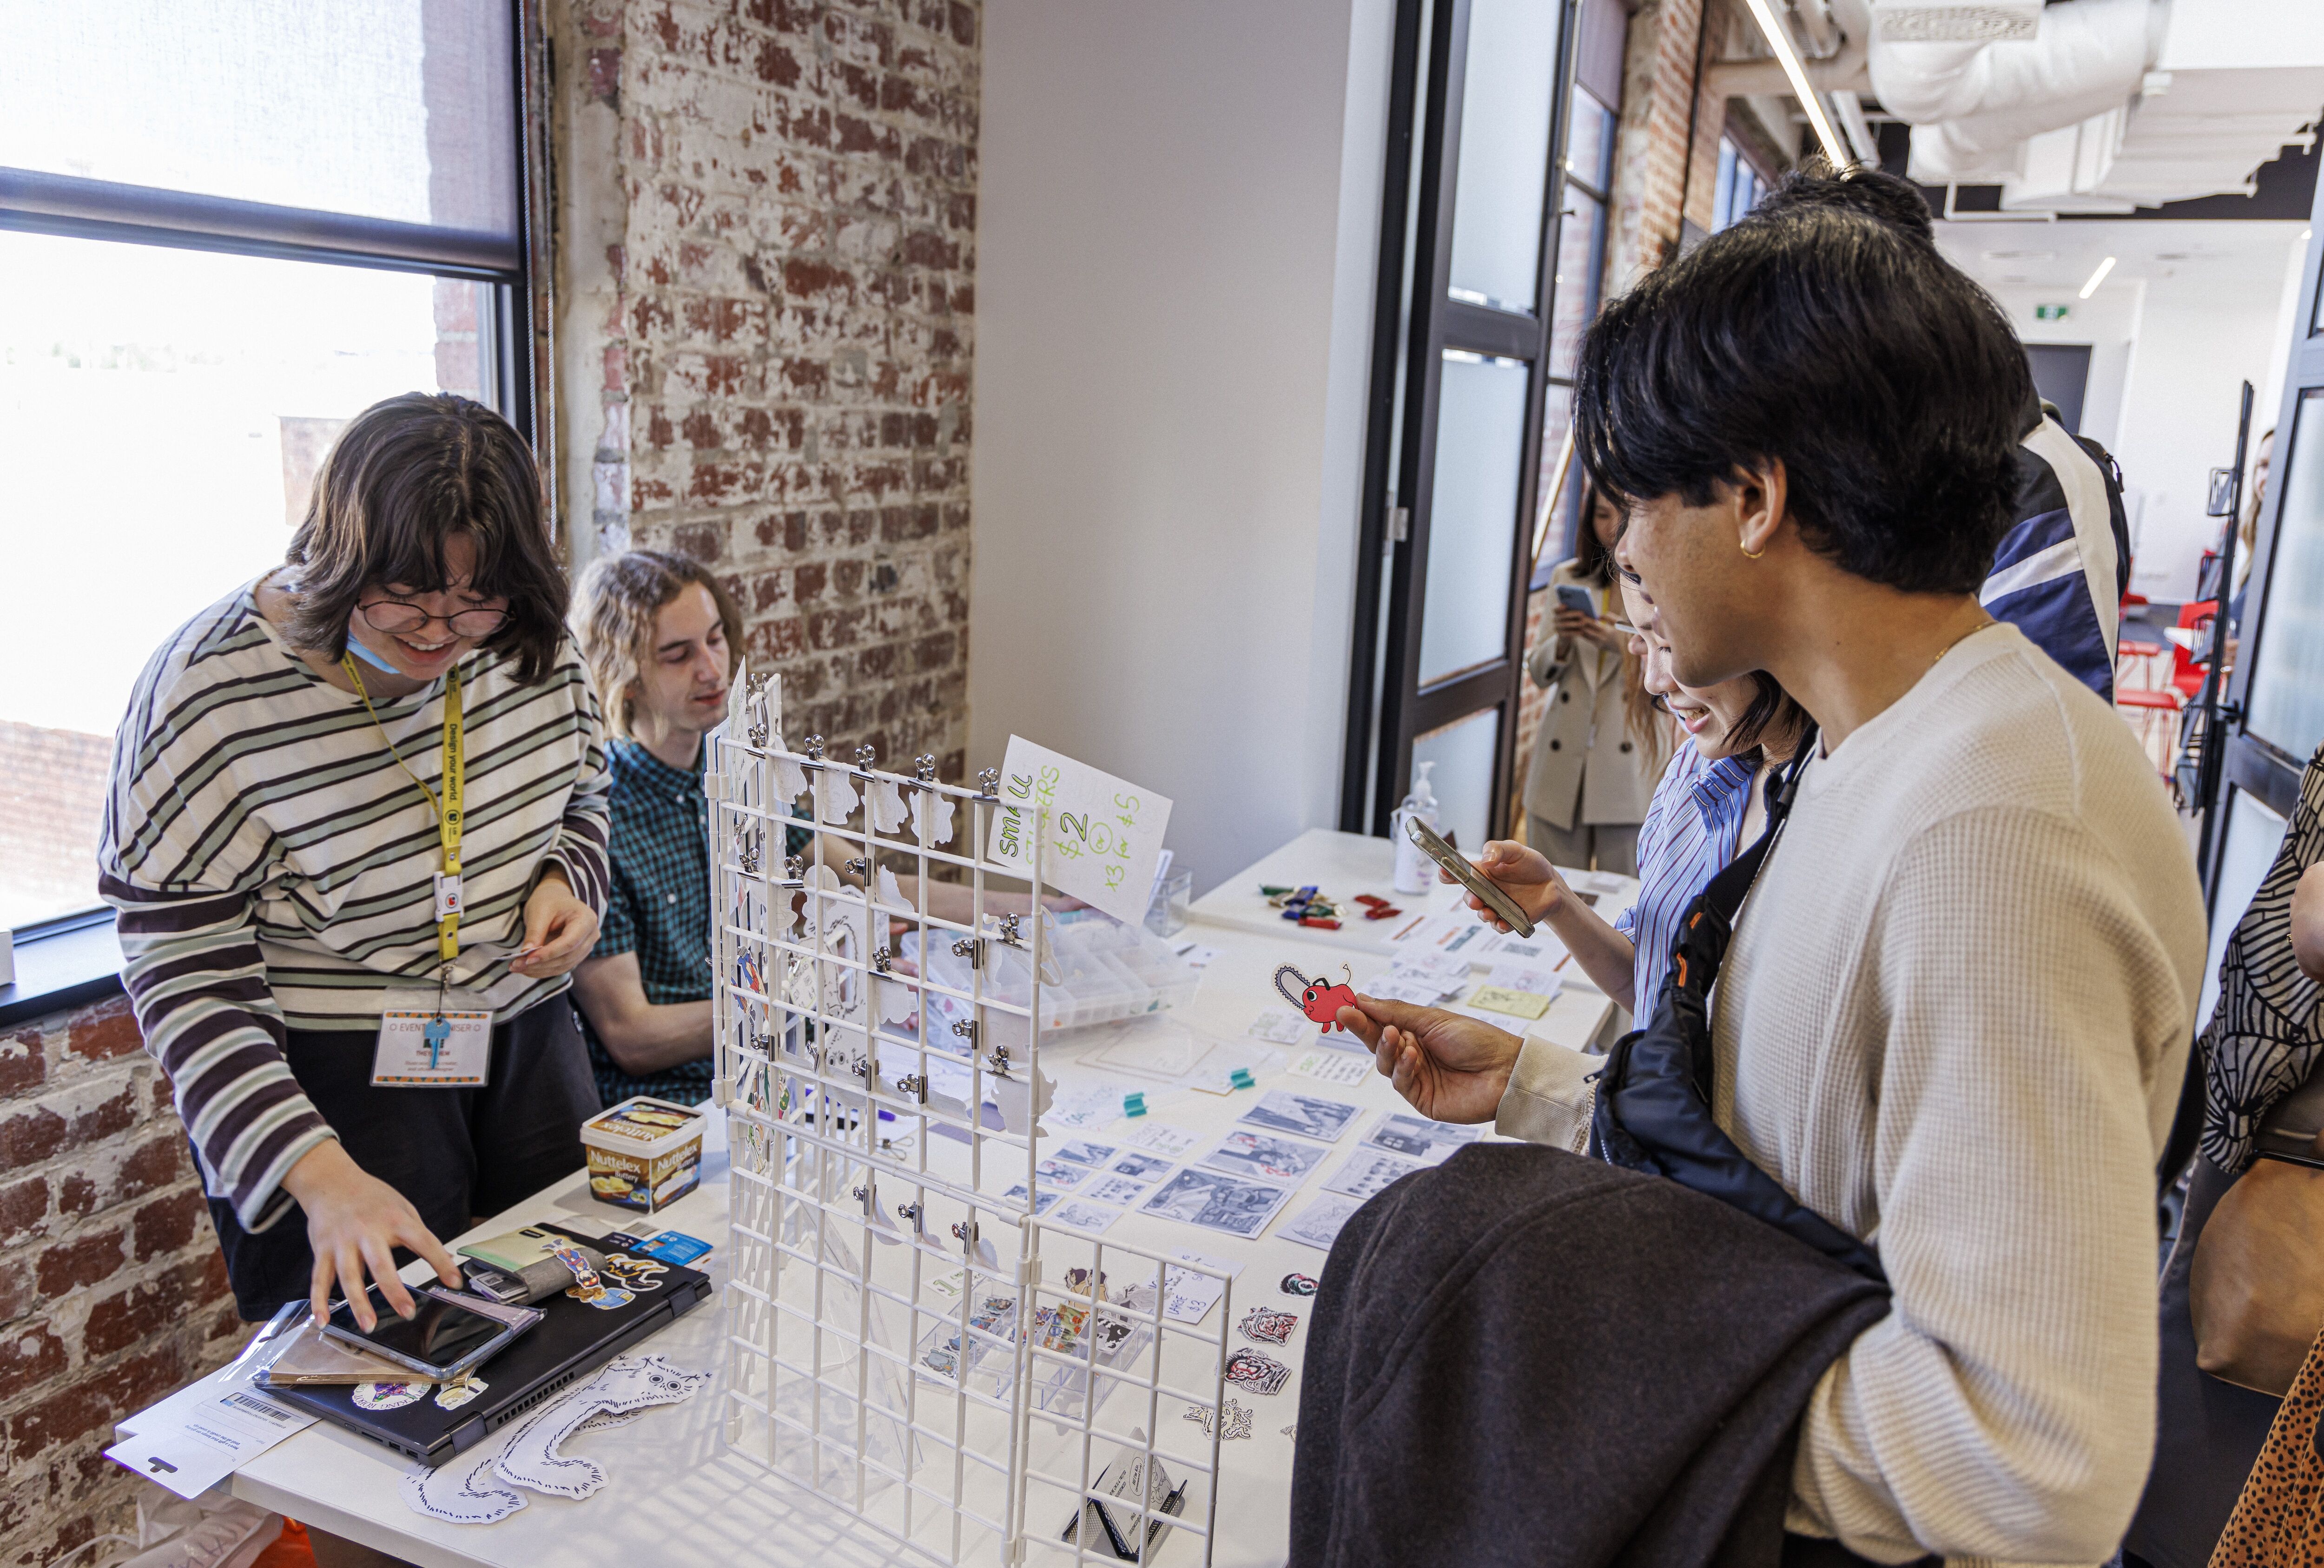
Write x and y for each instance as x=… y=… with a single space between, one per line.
x=2049 y=312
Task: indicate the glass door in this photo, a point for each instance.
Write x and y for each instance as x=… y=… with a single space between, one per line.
x=2273 y=721
x=1460 y=377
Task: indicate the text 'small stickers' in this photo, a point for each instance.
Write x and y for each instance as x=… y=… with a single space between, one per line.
x=1104 y=832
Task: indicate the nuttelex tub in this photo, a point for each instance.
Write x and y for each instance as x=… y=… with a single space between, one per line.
x=644 y=1154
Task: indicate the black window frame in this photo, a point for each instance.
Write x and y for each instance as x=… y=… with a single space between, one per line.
x=1416 y=322
x=72 y=959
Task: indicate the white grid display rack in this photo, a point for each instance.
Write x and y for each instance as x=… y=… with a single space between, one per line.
x=906 y=1334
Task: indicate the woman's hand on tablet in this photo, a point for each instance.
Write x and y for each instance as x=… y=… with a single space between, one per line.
x=355 y=1223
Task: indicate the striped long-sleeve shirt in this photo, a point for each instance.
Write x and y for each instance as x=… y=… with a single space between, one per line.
x=271 y=867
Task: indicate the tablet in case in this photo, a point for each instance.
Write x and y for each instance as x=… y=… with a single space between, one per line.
x=571 y=1341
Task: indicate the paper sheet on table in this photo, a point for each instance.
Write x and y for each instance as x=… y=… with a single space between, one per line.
x=1161 y=1137
x=1216 y=1075
x=1104 y=834
x=1418 y=992
x=1331 y=1065
x=1538 y=978
x=1458 y=933
x=1086 y=1105
x=1151 y=1046
x=201 y=1434
x=1318 y=1224
x=1281 y=1025
x=1542 y=948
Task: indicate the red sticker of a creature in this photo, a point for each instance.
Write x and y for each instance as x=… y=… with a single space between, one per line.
x=1318 y=1000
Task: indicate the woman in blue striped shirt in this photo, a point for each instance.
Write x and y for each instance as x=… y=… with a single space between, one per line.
x=1703 y=811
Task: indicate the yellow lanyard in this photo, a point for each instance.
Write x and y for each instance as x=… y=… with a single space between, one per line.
x=446 y=810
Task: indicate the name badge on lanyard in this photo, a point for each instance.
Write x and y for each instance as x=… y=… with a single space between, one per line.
x=433 y=1036
x=432 y=1039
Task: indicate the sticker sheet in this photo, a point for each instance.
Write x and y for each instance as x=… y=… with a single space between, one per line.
x=1318 y=1224
x=1417 y=1137
x=1217 y=1201
x=1308 y=1115
x=1139 y=1166
x=1084 y=1216
x=1163 y=1139
x=1263 y=1156
x=1367 y=1170
x=1110 y=1188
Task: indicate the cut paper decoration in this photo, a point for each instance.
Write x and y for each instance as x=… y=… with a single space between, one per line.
x=531 y=1458
x=891 y=893
x=932 y=817
x=887 y=808
x=471 y=1489
x=790 y=779
x=835 y=796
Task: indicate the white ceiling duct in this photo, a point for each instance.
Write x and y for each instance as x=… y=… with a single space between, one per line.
x=1972 y=104
x=2106 y=104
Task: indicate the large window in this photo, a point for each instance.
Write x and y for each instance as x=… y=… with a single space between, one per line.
x=1580 y=277
x=226 y=230
x=1466 y=354
x=1741 y=186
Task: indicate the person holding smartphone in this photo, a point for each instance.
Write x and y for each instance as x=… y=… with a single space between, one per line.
x=354 y=843
x=1709 y=802
x=1600 y=745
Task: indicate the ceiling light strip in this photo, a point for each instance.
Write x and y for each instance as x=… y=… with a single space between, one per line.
x=1779 y=38
x=2098 y=277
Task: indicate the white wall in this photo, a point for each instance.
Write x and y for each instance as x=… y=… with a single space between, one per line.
x=1177 y=209
x=2196 y=344
x=2108 y=322
x=2189 y=310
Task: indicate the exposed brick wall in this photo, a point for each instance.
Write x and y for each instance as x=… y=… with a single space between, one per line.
x=1650 y=149
x=112 y=1288
x=788 y=286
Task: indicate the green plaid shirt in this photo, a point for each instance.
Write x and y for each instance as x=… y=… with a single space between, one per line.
x=659 y=907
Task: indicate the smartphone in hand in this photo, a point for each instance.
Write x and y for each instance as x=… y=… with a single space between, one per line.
x=1570 y=596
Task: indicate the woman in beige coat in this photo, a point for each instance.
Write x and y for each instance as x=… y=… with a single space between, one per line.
x=1601 y=745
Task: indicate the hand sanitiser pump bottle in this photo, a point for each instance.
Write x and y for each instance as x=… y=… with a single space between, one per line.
x=1415 y=871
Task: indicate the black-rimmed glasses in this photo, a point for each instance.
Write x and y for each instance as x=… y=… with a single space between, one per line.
x=398 y=616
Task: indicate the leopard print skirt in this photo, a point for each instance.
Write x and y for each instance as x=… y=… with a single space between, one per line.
x=2279 y=1518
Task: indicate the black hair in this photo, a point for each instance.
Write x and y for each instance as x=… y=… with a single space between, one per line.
x=1593 y=559
x=1824 y=331
x=404 y=476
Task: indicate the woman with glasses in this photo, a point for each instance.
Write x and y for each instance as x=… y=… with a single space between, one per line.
x=355 y=841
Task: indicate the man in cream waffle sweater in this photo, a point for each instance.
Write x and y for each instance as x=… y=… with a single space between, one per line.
x=1954 y=1017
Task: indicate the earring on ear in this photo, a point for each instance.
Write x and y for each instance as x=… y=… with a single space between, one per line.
x=1753 y=555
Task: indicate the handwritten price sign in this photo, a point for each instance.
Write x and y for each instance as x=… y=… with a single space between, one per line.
x=1104 y=832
